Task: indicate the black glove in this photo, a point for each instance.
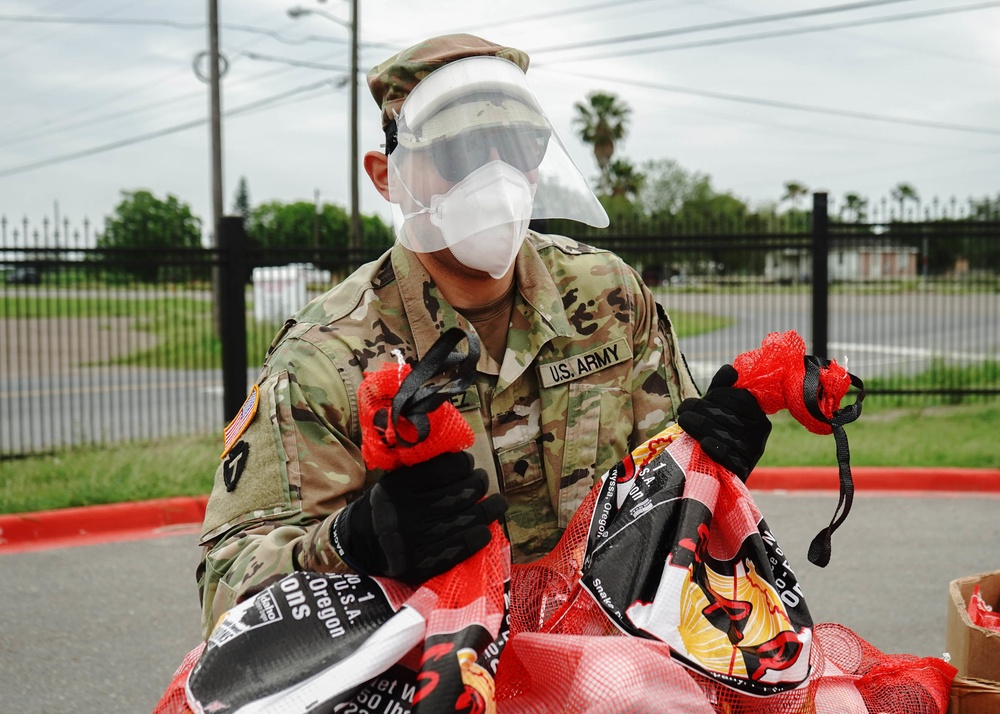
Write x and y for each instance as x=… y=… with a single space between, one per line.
x=418 y=521
x=728 y=423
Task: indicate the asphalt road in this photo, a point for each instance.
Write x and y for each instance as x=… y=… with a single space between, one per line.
x=101 y=628
x=49 y=397
x=873 y=334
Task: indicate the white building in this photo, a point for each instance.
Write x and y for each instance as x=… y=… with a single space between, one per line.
x=848 y=263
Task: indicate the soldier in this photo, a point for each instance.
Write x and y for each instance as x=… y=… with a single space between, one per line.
x=579 y=363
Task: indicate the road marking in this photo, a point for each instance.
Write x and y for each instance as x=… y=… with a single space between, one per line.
x=102 y=388
x=848 y=347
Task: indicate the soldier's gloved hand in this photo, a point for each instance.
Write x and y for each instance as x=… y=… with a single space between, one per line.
x=728 y=423
x=418 y=521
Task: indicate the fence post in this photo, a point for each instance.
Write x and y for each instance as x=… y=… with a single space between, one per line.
x=820 y=275
x=233 y=313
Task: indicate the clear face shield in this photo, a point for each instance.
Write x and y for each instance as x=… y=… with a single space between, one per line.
x=476 y=159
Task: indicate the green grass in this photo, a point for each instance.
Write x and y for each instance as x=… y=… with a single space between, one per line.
x=689 y=324
x=183 y=327
x=941 y=436
x=932 y=436
x=127 y=472
x=890 y=432
x=939 y=375
x=33 y=306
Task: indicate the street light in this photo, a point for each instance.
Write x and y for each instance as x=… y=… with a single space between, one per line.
x=354 y=236
x=300 y=11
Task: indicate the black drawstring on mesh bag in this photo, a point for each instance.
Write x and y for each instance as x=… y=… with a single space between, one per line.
x=820 y=548
x=418 y=395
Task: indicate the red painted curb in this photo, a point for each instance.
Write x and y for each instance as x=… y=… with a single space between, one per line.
x=124 y=521
x=876 y=478
x=94 y=523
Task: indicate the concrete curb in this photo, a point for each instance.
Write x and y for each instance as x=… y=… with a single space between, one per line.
x=100 y=524
x=149 y=519
x=877 y=478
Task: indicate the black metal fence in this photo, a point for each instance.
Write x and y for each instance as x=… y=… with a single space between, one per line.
x=99 y=346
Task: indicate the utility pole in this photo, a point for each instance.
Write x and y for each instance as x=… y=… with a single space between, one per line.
x=216 y=122
x=216 y=114
x=356 y=234
x=316 y=215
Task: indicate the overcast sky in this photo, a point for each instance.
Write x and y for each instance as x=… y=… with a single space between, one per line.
x=854 y=100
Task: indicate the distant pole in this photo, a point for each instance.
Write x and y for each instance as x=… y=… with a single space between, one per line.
x=820 y=275
x=216 y=122
x=354 y=229
x=316 y=215
x=354 y=241
x=232 y=243
x=216 y=112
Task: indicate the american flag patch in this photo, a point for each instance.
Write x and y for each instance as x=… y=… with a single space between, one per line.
x=232 y=433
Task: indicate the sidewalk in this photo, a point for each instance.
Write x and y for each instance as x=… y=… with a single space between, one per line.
x=150 y=519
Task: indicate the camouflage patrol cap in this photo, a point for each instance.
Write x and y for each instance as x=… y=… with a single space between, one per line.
x=391 y=81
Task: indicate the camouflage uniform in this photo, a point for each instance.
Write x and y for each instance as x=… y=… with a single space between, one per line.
x=591 y=369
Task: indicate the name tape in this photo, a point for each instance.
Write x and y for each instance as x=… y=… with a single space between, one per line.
x=566 y=370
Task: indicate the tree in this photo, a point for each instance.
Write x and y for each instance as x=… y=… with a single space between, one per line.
x=624 y=180
x=855 y=207
x=602 y=121
x=307 y=233
x=985 y=208
x=794 y=191
x=902 y=193
x=298 y=226
x=241 y=201
x=377 y=236
x=667 y=185
x=142 y=221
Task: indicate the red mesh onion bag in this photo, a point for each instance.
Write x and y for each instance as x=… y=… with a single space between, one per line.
x=405 y=416
x=667 y=591
x=669 y=548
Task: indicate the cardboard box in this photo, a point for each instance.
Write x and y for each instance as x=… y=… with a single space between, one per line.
x=974 y=696
x=975 y=651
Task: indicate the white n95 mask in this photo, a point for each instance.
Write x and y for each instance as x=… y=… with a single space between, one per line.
x=483 y=218
x=446 y=136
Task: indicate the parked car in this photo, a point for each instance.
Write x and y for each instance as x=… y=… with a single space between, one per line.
x=24 y=275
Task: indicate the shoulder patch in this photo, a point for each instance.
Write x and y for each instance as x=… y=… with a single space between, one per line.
x=232 y=433
x=233 y=467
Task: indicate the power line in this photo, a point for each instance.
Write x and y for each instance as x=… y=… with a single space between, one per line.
x=725 y=24
x=244 y=109
x=772 y=33
x=294 y=62
x=38 y=19
x=500 y=22
x=774 y=103
x=48 y=130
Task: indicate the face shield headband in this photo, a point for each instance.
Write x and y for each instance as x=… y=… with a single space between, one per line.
x=471 y=124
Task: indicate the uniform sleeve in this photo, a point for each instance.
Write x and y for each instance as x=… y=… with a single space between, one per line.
x=271 y=509
x=660 y=378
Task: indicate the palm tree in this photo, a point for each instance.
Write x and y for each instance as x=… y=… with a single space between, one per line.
x=905 y=192
x=624 y=179
x=794 y=190
x=855 y=206
x=600 y=122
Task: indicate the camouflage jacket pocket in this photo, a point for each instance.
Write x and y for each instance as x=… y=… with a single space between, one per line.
x=598 y=426
x=531 y=519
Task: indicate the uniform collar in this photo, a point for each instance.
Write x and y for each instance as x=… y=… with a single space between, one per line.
x=538 y=300
x=427 y=312
x=538 y=288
